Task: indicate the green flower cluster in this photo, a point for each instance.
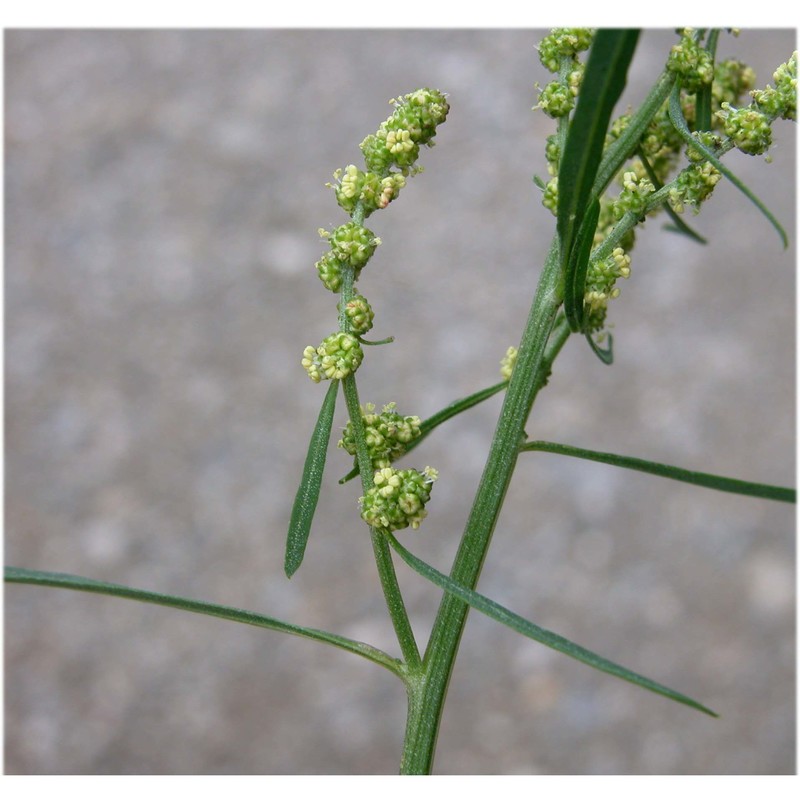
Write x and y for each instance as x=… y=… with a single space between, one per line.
x=750 y=127
x=782 y=100
x=389 y=157
x=352 y=246
x=693 y=65
x=558 y=52
x=359 y=313
x=397 y=498
x=355 y=186
x=600 y=279
x=657 y=154
x=387 y=434
x=693 y=185
x=563 y=43
x=508 y=363
x=338 y=356
x=633 y=196
x=397 y=142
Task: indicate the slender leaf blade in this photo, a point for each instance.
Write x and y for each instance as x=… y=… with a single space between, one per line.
x=553 y=640
x=575 y=276
x=704 y=479
x=305 y=501
x=605 y=354
x=604 y=79
x=64 y=581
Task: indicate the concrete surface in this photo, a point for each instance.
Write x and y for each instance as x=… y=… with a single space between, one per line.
x=163 y=193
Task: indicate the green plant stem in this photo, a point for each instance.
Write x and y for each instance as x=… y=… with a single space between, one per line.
x=383 y=553
x=427 y=703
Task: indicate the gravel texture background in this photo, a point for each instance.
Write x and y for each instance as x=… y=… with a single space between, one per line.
x=163 y=193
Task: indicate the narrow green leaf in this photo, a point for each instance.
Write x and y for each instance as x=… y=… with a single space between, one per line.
x=679 y=122
x=605 y=354
x=455 y=408
x=679 y=225
x=305 y=502
x=501 y=614
x=603 y=82
x=703 y=479
x=575 y=276
x=63 y=581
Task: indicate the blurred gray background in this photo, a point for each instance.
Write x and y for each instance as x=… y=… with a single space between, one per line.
x=163 y=194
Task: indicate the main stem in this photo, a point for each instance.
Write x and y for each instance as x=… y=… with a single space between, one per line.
x=427 y=695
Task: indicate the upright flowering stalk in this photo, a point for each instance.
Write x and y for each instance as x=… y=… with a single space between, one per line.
x=393 y=499
x=390 y=156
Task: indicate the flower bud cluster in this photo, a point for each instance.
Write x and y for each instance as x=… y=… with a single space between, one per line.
x=782 y=100
x=508 y=363
x=397 y=498
x=338 y=356
x=397 y=142
x=387 y=434
x=693 y=185
x=750 y=127
x=550 y=196
x=556 y=100
x=354 y=186
x=633 y=196
x=359 y=313
x=351 y=244
x=563 y=43
x=691 y=63
x=600 y=279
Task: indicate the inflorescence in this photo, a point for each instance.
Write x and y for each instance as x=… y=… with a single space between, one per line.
x=398 y=497
x=660 y=148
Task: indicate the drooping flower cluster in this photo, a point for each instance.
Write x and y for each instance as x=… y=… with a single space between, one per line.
x=387 y=434
x=397 y=499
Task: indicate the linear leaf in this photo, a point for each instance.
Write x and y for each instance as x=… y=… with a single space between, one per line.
x=603 y=82
x=704 y=479
x=605 y=354
x=63 y=581
x=678 y=120
x=577 y=267
x=305 y=502
x=501 y=614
